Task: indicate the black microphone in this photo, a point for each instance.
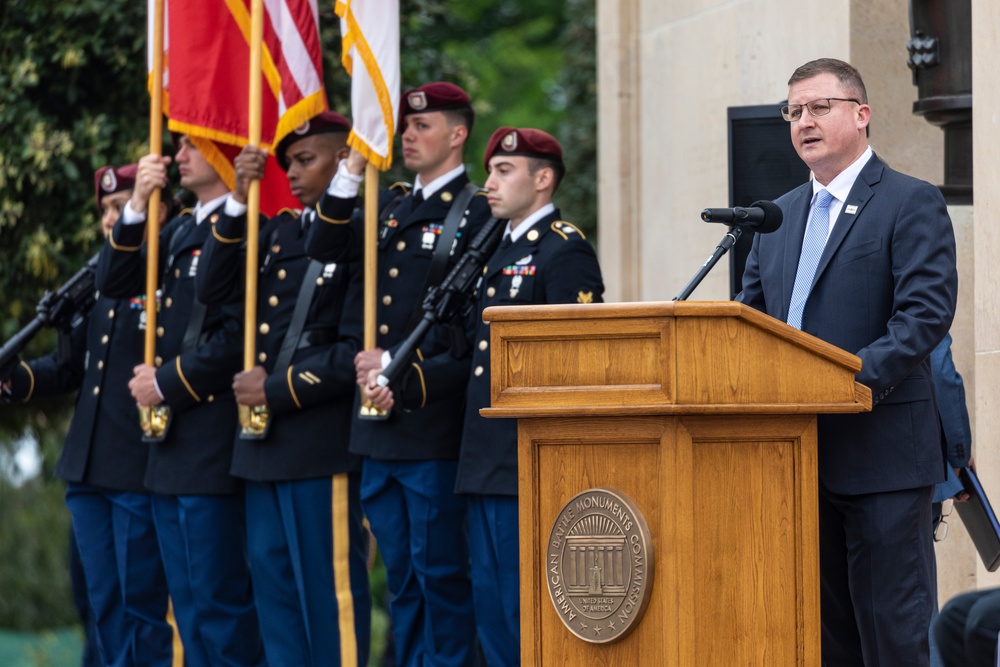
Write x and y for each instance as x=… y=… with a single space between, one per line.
x=762 y=216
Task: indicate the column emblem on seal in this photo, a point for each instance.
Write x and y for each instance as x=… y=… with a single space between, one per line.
x=599 y=565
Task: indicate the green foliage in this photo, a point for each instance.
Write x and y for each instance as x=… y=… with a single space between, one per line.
x=34 y=525
x=62 y=99
x=34 y=577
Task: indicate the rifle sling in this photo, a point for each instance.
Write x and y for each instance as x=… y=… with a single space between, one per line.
x=298 y=321
x=439 y=263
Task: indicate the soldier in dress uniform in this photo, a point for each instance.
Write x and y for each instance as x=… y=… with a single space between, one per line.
x=408 y=478
x=302 y=486
x=104 y=462
x=541 y=259
x=198 y=507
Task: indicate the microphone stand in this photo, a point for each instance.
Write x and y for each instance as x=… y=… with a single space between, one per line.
x=727 y=242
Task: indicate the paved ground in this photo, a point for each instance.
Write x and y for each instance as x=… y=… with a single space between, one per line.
x=53 y=648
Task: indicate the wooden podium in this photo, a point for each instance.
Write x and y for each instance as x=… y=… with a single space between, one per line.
x=704 y=415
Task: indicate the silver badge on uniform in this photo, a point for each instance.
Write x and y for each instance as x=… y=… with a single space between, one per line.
x=515 y=286
x=427 y=241
x=329 y=269
x=194 y=267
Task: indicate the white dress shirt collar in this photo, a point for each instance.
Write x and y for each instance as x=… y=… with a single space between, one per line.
x=430 y=188
x=204 y=209
x=528 y=222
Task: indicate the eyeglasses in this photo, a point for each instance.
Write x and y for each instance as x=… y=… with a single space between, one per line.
x=820 y=107
x=941 y=529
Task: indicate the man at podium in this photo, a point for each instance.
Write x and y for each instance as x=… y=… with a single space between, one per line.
x=865 y=261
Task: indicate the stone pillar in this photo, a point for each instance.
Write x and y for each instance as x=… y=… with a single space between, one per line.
x=619 y=108
x=986 y=176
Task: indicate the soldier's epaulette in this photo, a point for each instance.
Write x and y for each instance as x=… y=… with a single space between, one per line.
x=564 y=229
x=402 y=185
x=185 y=211
x=293 y=213
x=481 y=192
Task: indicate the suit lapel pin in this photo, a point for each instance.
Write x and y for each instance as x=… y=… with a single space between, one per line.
x=851 y=209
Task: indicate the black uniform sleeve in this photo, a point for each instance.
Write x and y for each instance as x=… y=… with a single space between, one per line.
x=50 y=375
x=121 y=269
x=222 y=273
x=338 y=233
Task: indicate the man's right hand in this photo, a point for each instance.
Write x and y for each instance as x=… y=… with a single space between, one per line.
x=356 y=163
x=249 y=166
x=380 y=397
x=152 y=174
x=365 y=362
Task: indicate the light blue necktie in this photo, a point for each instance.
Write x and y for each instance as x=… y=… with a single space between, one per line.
x=812 y=250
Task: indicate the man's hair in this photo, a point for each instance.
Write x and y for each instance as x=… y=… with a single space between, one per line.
x=848 y=76
x=557 y=167
x=462 y=116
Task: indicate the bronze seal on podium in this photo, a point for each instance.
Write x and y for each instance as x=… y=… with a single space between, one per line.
x=599 y=565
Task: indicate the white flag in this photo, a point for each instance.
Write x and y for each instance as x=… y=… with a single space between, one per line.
x=370 y=30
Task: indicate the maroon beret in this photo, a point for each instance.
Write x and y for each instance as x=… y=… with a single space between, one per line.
x=436 y=96
x=527 y=141
x=328 y=121
x=114 y=179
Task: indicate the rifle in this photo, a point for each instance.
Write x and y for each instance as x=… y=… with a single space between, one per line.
x=55 y=309
x=443 y=302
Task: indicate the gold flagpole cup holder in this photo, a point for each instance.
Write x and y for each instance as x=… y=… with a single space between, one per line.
x=255 y=420
x=154 y=421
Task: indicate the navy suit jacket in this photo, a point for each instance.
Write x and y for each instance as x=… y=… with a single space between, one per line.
x=885 y=290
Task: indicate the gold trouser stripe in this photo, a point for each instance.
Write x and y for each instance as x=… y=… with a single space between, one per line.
x=342 y=570
x=291 y=389
x=423 y=385
x=178 y=657
x=31 y=387
x=180 y=373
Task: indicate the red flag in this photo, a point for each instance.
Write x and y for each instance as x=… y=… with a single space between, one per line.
x=206 y=85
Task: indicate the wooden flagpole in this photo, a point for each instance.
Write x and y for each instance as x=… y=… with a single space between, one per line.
x=369 y=411
x=253 y=421
x=154 y=419
x=153 y=208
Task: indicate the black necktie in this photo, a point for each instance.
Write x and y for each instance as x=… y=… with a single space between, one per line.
x=306 y=218
x=505 y=243
x=418 y=198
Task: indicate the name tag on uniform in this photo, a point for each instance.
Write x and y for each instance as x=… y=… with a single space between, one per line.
x=851 y=209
